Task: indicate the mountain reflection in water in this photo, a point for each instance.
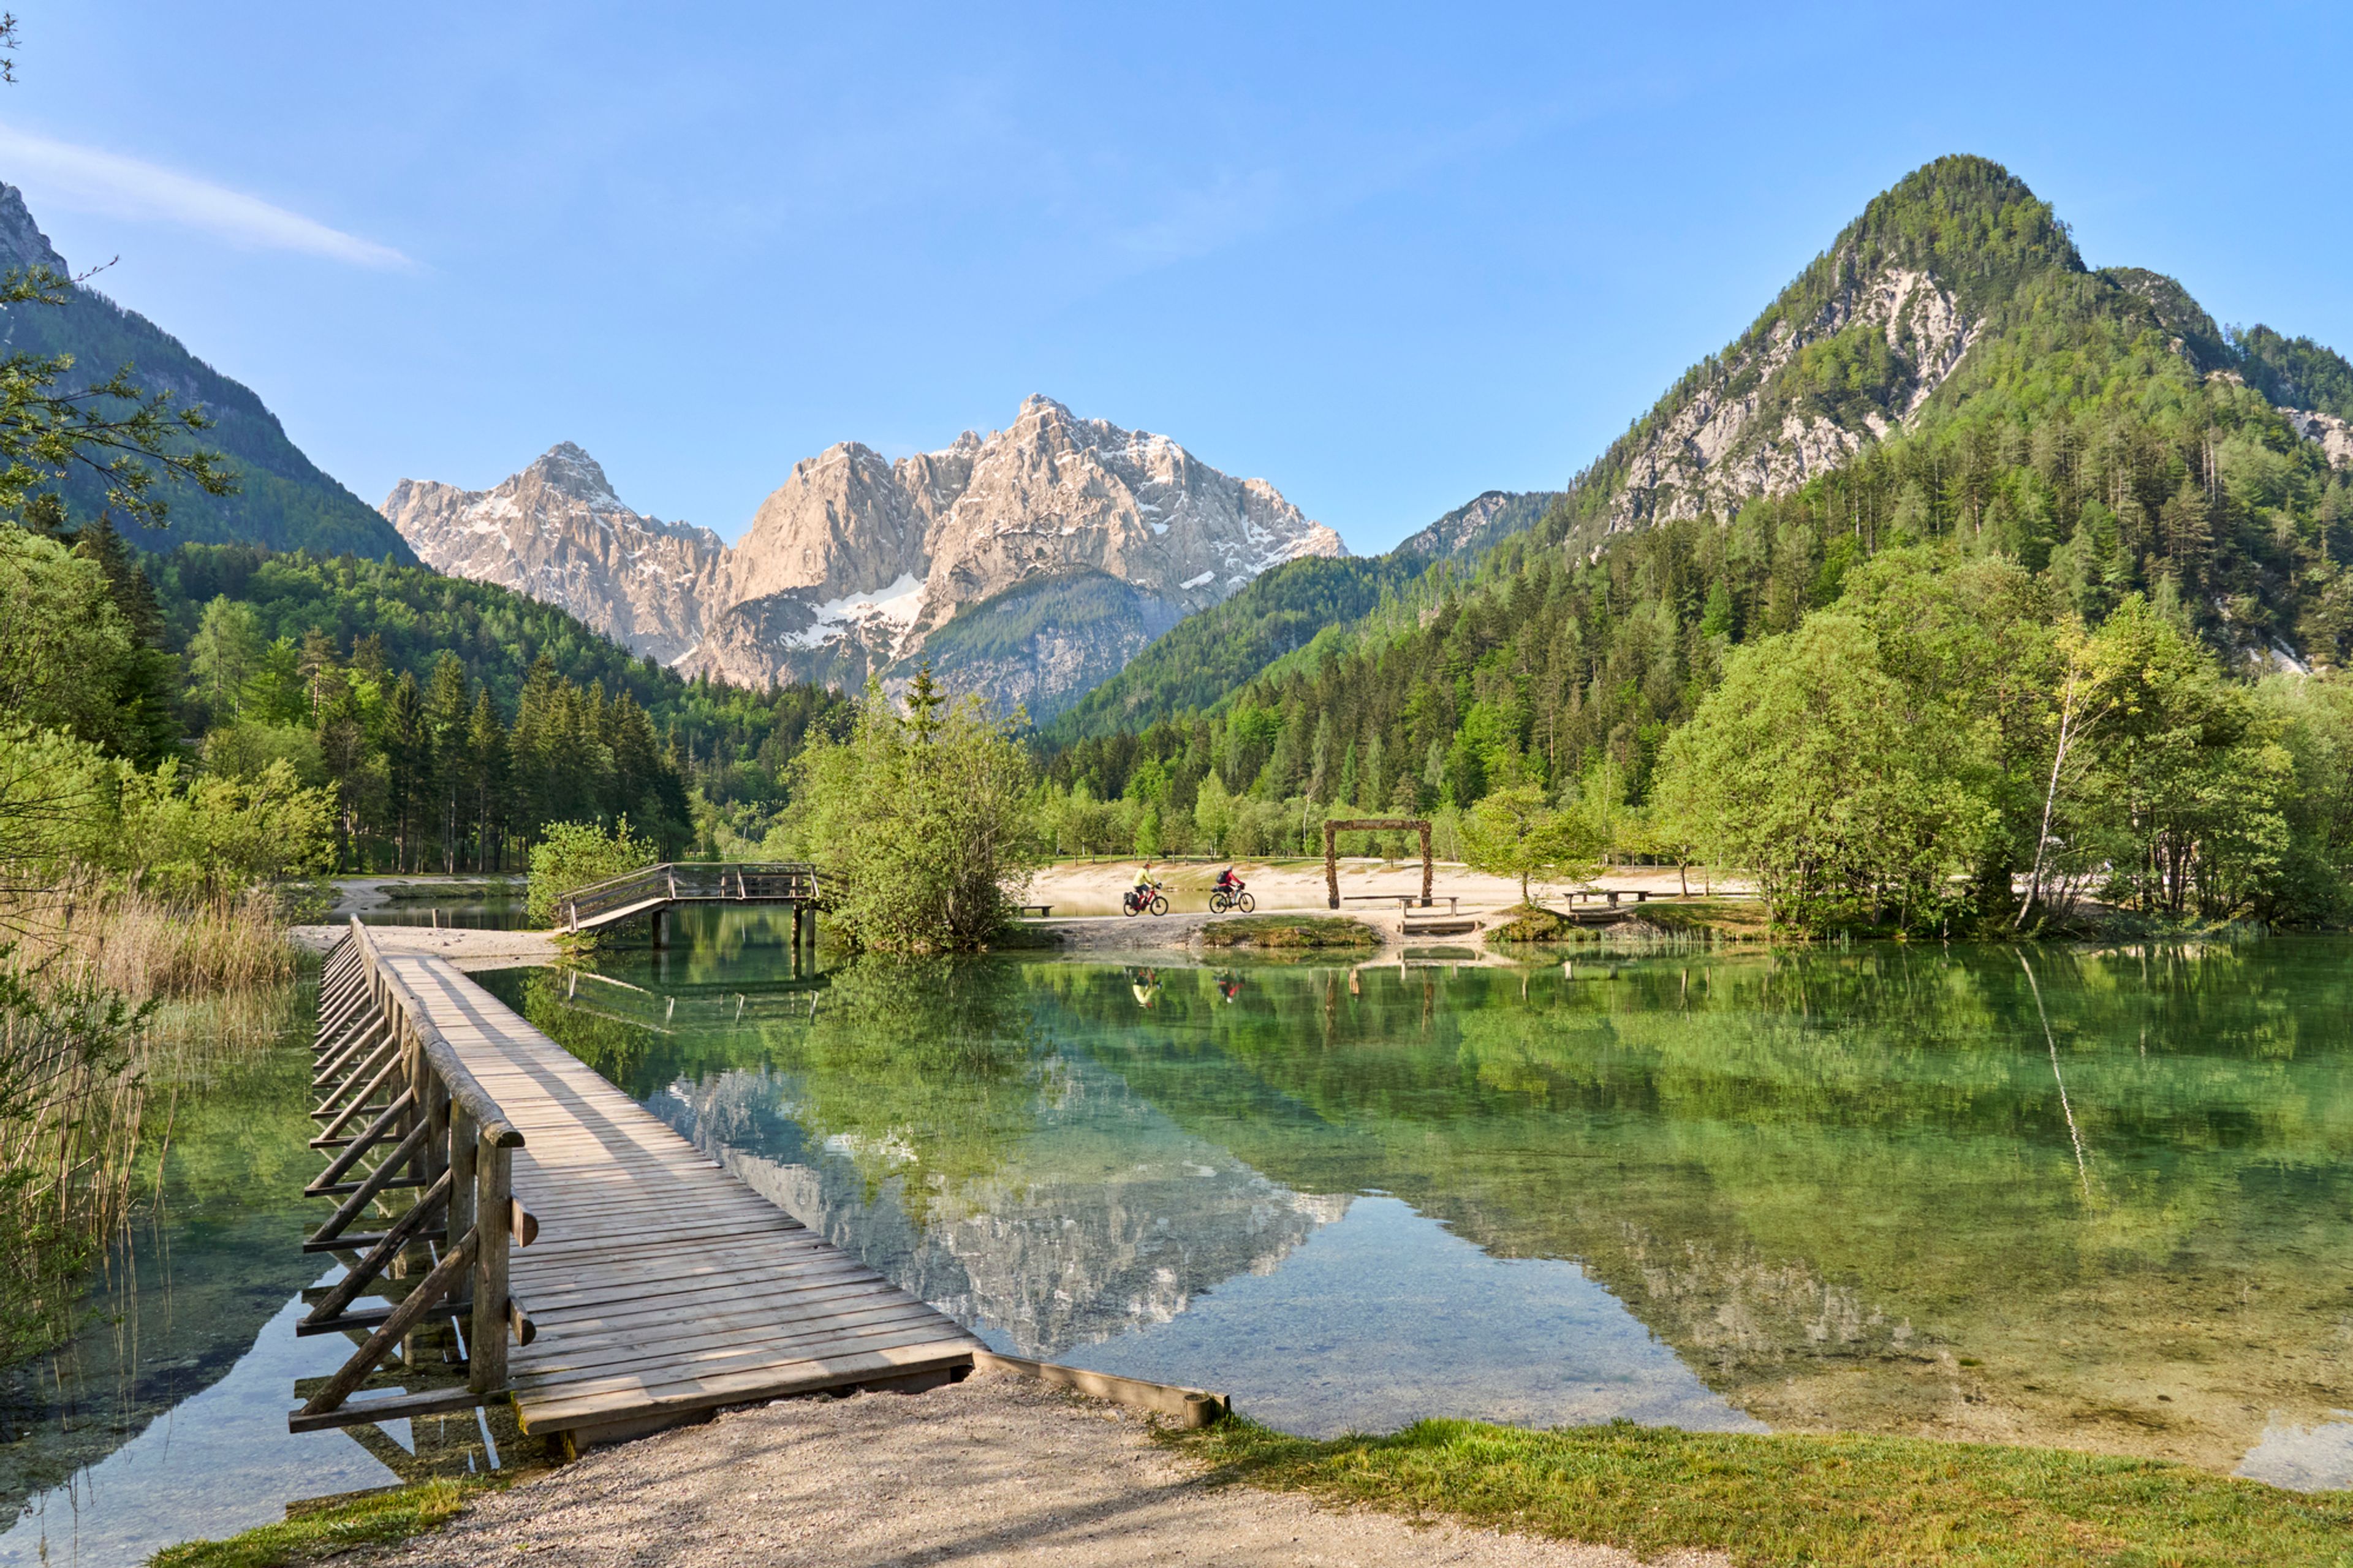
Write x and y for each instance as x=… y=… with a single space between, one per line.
x=1873 y=1190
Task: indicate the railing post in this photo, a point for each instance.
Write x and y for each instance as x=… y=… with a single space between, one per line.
x=464 y=1137
x=486 y=1344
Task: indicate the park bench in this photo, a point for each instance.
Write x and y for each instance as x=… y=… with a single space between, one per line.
x=1040 y=911
x=1404 y=901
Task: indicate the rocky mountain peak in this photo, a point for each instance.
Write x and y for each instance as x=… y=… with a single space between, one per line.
x=556 y=531
x=22 y=243
x=568 y=468
x=852 y=564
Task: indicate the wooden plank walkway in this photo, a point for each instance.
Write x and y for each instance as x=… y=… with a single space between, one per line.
x=659 y=1285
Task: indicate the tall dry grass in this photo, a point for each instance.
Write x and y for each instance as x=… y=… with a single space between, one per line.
x=91 y=983
x=145 y=949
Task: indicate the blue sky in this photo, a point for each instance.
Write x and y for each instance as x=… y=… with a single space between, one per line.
x=1383 y=257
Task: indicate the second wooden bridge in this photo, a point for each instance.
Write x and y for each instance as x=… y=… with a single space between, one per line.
x=653 y=893
x=564 y=1248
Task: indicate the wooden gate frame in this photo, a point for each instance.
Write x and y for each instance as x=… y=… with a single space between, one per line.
x=1331 y=830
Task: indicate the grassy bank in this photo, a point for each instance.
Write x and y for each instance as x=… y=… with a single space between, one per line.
x=1706 y=920
x=1767 y=1502
x=314 y=1534
x=1288 y=931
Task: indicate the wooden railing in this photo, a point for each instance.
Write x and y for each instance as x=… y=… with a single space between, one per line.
x=697 y=882
x=390 y=1085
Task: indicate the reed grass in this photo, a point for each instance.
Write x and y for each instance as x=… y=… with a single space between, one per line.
x=146 y=949
x=71 y=1099
x=97 y=986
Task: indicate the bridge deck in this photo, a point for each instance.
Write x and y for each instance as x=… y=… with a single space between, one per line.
x=659 y=1284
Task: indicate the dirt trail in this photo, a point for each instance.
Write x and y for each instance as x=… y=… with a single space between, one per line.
x=463 y=946
x=989 y=1474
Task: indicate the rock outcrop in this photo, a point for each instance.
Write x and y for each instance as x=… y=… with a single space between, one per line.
x=1031 y=563
x=557 y=533
x=2332 y=434
x=1744 y=428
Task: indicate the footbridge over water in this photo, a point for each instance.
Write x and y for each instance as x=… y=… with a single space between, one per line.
x=539 y=1237
x=651 y=894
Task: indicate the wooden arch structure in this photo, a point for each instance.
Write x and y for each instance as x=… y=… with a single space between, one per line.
x=1331 y=830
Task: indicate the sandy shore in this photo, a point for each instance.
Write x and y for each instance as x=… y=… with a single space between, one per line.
x=1367 y=886
x=993 y=1472
x=465 y=947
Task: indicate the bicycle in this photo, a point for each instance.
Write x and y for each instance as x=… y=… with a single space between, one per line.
x=1133 y=901
x=1220 y=901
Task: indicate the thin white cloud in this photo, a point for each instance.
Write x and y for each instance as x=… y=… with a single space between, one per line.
x=88 y=180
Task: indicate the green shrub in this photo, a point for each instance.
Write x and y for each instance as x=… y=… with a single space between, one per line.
x=573 y=855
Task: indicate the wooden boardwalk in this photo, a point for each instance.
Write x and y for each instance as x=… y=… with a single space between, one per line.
x=647 y=1284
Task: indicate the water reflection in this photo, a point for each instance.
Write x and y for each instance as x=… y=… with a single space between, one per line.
x=164 y=1419
x=1881 y=1190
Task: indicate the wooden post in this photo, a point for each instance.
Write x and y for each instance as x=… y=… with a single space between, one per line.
x=465 y=1136
x=1424 y=865
x=486 y=1339
x=437 y=1125
x=1332 y=863
x=660 y=919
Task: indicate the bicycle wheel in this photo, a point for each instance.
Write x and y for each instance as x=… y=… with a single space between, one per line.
x=1127 y=906
x=1246 y=903
x=1216 y=903
x=1159 y=906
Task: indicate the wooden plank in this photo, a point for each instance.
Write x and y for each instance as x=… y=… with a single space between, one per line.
x=651 y=1386
x=623 y=1317
x=628 y=1398
x=550 y=1298
x=638 y=1317
x=660 y=1304
x=577 y=1354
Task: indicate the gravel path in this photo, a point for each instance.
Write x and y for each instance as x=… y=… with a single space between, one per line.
x=461 y=945
x=995 y=1471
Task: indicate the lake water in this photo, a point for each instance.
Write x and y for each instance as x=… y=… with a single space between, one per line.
x=2101 y=1200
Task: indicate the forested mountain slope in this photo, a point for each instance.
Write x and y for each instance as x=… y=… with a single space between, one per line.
x=283 y=500
x=1211 y=654
x=294 y=649
x=1954 y=352
x=1949 y=378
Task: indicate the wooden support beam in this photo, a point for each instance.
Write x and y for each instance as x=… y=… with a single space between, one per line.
x=486 y=1341
x=355 y=1283
x=398 y=1407
x=365 y=1239
x=404 y=1317
x=360 y=1145
x=372 y=1318
x=361 y=1192
x=1191 y=1406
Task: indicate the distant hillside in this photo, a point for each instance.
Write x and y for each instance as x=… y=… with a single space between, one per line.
x=1949 y=371
x=1211 y=653
x=1485 y=520
x=283 y=503
x=1208 y=654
